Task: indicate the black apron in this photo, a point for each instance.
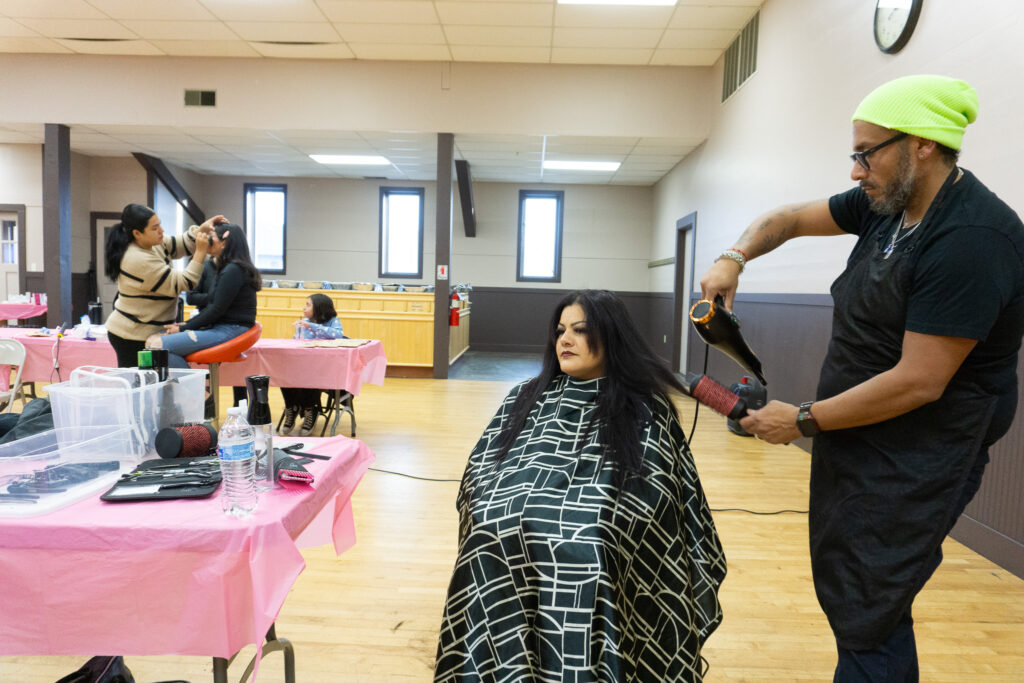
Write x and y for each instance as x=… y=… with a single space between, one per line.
x=884 y=496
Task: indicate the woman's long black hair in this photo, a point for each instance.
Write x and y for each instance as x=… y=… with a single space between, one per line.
x=133 y=217
x=633 y=375
x=236 y=250
x=323 y=309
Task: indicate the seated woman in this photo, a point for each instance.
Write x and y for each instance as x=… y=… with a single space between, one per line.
x=586 y=548
x=320 y=321
x=230 y=311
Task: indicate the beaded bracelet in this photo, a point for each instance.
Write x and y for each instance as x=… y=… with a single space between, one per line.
x=735 y=256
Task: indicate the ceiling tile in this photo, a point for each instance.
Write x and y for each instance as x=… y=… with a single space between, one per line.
x=119 y=47
x=171 y=10
x=598 y=55
x=205 y=48
x=484 y=53
x=379 y=11
x=692 y=39
x=414 y=34
x=496 y=13
x=275 y=10
x=11 y=28
x=605 y=38
x=332 y=51
x=435 y=53
x=682 y=57
x=180 y=30
x=605 y=16
x=13 y=137
x=499 y=36
x=290 y=31
x=79 y=28
x=730 y=17
x=60 y=9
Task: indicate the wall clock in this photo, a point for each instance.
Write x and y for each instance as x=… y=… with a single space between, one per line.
x=894 y=23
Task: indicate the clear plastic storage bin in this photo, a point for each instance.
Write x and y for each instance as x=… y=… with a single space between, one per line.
x=128 y=397
x=49 y=470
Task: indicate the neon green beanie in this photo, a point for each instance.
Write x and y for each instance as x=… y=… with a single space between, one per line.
x=932 y=107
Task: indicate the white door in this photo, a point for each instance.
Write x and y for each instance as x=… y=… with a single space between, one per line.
x=104 y=285
x=8 y=255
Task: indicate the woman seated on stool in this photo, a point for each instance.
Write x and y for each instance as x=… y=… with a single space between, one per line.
x=320 y=322
x=586 y=547
x=231 y=309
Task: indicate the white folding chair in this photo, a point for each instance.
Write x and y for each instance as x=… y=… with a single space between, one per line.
x=12 y=353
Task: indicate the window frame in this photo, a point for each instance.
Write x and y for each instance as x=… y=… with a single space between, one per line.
x=251 y=237
x=558 y=195
x=385 y=192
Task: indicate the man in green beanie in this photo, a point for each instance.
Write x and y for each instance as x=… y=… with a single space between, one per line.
x=920 y=376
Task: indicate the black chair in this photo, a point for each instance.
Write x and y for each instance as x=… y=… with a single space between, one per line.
x=335 y=402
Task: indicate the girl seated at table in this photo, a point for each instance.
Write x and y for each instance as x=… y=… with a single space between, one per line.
x=231 y=309
x=586 y=547
x=320 y=321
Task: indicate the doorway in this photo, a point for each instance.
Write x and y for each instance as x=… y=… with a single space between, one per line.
x=12 y=250
x=101 y=287
x=686 y=236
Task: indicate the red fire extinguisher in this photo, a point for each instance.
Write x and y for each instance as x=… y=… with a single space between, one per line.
x=453 y=316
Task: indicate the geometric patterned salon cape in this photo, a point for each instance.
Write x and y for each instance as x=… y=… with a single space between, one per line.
x=558 y=578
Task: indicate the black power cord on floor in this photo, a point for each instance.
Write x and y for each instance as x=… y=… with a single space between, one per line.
x=411 y=476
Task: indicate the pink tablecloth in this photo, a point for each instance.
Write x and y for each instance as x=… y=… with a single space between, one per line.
x=19 y=311
x=174 y=577
x=288 y=363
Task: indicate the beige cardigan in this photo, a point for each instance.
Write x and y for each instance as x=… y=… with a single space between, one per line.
x=148 y=286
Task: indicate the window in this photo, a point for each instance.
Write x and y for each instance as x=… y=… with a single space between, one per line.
x=401 y=232
x=540 y=236
x=9 y=242
x=265 y=212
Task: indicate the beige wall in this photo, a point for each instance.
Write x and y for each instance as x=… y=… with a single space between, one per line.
x=333 y=231
x=785 y=135
x=355 y=95
x=21 y=182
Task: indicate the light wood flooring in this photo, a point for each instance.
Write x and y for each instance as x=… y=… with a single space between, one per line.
x=372 y=614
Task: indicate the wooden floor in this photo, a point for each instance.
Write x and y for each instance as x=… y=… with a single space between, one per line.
x=373 y=613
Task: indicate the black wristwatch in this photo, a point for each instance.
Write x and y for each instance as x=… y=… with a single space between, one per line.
x=805 y=422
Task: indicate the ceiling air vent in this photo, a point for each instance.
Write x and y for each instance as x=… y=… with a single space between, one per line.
x=740 y=59
x=200 y=98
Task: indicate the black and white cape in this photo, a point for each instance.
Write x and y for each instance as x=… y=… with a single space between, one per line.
x=561 y=577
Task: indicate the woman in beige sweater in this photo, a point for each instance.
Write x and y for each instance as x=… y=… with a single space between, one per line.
x=138 y=259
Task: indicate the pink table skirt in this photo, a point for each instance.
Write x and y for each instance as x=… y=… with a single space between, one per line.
x=286 y=361
x=19 y=311
x=171 y=577
x=290 y=364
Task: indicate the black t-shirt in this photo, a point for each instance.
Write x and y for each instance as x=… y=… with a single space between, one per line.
x=233 y=301
x=968 y=274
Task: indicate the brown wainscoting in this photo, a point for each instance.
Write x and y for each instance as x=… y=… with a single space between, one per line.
x=35 y=281
x=790 y=333
x=514 y=319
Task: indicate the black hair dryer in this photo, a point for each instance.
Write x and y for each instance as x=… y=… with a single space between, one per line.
x=258 y=389
x=719 y=327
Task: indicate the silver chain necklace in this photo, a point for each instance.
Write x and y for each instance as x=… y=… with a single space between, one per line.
x=897 y=237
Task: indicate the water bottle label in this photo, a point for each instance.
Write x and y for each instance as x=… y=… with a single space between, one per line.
x=236 y=451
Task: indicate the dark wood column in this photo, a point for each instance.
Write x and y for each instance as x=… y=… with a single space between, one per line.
x=443 y=250
x=57 y=223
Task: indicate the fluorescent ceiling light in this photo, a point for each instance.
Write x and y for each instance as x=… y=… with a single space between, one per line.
x=556 y=165
x=349 y=160
x=661 y=3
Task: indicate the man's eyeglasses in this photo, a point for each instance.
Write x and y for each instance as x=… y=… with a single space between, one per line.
x=862 y=157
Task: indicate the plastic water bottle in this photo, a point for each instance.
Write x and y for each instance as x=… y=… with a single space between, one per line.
x=237 y=452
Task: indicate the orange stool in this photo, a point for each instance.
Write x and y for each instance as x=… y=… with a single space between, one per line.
x=228 y=352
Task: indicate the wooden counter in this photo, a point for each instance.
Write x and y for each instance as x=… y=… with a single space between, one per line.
x=402 y=321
